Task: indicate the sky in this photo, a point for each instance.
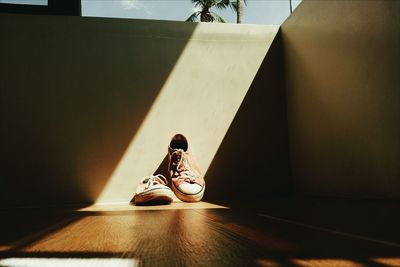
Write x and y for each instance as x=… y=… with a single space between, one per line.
x=256 y=11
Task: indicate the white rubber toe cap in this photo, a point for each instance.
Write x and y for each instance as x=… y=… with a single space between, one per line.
x=190 y=189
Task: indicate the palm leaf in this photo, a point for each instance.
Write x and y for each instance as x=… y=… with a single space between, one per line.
x=194 y=17
x=222 y=4
x=217 y=17
x=234 y=6
x=199 y=3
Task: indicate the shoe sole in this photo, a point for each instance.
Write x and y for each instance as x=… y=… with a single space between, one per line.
x=154 y=197
x=188 y=197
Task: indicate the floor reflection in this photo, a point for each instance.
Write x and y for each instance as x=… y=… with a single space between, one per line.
x=177 y=204
x=59 y=262
x=186 y=235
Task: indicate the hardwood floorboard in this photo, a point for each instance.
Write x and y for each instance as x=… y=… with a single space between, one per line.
x=375 y=219
x=195 y=235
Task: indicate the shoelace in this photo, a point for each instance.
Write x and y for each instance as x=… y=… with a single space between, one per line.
x=153 y=180
x=185 y=173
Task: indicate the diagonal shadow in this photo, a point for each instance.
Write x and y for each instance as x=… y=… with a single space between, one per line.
x=252 y=161
x=74 y=91
x=22 y=226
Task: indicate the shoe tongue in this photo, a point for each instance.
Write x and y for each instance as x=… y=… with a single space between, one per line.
x=177 y=154
x=176 y=150
x=178 y=159
x=179 y=151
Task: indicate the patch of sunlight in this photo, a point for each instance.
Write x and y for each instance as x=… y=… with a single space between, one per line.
x=325 y=262
x=199 y=99
x=176 y=205
x=387 y=261
x=267 y=263
x=64 y=262
x=4 y=248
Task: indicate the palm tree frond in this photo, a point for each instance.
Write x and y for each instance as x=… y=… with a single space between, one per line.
x=222 y=4
x=194 y=17
x=203 y=9
x=199 y=3
x=217 y=17
x=234 y=4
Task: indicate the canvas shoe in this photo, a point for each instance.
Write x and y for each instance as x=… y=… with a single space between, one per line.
x=153 y=190
x=186 y=178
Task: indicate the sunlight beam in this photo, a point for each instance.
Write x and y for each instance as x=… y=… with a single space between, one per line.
x=64 y=262
x=199 y=99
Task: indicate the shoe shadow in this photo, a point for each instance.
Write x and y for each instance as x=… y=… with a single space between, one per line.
x=163 y=168
x=150 y=203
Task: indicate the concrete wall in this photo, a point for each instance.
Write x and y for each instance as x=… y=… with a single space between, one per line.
x=252 y=162
x=88 y=105
x=74 y=91
x=343 y=90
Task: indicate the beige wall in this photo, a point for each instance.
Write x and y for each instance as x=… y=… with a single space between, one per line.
x=88 y=105
x=74 y=91
x=343 y=90
x=252 y=162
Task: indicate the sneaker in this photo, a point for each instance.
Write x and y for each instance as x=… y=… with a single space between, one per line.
x=187 y=181
x=153 y=190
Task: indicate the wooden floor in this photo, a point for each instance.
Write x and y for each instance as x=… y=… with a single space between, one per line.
x=305 y=232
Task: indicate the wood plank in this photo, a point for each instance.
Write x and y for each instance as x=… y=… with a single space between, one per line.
x=187 y=236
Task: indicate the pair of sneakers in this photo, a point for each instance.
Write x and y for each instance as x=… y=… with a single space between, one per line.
x=186 y=180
